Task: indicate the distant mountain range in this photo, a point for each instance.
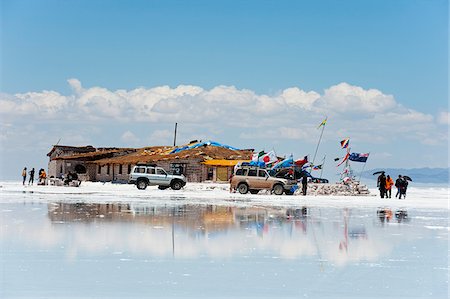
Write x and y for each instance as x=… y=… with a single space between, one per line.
x=418 y=175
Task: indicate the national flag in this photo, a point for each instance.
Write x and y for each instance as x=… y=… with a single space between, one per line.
x=317 y=167
x=284 y=163
x=306 y=166
x=357 y=157
x=268 y=158
x=323 y=123
x=345 y=142
x=256 y=156
x=301 y=162
x=345 y=159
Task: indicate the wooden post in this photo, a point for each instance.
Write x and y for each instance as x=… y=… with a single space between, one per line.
x=175 y=135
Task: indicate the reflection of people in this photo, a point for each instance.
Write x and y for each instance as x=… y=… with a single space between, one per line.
x=389 y=184
x=401 y=215
x=384 y=214
x=381 y=184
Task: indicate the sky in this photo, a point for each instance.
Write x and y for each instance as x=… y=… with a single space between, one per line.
x=251 y=74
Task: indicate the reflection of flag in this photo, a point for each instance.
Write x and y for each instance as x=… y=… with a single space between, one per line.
x=323 y=123
x=356 y=157
x=345 y=142
x=345 y=159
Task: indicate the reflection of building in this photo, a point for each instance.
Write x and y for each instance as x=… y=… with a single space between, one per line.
x=207 y=219
x=198 y=161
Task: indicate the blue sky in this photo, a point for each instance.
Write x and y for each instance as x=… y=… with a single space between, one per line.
x=398 y=48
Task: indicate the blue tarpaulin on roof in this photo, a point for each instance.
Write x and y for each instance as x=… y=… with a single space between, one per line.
x=200 y=144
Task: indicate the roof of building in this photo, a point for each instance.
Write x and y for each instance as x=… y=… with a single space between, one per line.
x=163 y=153
x=87 y=148
x=101 y=153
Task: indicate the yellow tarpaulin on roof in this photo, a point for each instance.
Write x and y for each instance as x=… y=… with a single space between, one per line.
x=218 y=162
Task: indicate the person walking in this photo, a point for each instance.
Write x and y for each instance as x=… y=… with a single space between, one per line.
x=398 y=183
x=389 y=184
x=31 y=176
x=24 y=175
x=381 y=184
x=304 y=184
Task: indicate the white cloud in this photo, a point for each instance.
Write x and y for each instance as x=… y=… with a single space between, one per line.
x=129 y=137
x=444 y=118
x=290 y=114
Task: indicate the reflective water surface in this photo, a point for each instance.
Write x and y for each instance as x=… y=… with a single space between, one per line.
x=60 y=250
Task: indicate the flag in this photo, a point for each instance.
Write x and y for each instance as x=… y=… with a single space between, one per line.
x=301 y=162
x=357 y=157
x=306 y=166
x=256 y=156
x=345 y=142
x=268 y=158
x=284 y=163
x=323 y=123
x=345 y=159
x=317 y=167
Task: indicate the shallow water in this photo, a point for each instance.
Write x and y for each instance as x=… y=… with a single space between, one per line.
x=176 y=249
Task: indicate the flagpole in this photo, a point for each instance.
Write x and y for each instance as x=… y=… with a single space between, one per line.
x=323 y=163
x=320 y=138
x=363 y=167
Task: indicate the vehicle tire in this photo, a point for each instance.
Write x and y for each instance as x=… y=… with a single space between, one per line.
x=252 y=191
x=242 y=188
x=141 y=184
x=278 y=189
x=162 y=187
x=176 y=184
x=288 y=192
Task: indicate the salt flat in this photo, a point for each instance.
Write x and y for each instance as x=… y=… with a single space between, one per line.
x=217 y=194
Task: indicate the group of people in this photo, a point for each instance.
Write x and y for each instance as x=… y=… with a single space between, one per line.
x=41 y=175
x=385 y=184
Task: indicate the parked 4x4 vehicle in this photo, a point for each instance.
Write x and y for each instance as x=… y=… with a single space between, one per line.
x=152 y=175
x=252 y=179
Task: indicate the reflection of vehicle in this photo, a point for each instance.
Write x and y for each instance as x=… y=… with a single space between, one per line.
x=253 y=179
x=151 y=175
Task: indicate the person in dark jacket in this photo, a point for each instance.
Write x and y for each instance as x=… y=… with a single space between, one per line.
x=304 y=184
x=31 y=181
x=398 y=182
x=403 y=187
x=382 y=184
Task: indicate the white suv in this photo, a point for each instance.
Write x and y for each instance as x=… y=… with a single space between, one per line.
x=152 y=175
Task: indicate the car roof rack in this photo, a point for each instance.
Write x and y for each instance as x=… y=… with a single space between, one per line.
x=146 y=164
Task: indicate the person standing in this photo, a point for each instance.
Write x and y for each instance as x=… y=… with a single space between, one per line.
x=389 y=184
x=24 y=175
x=304 y=184
x=398 y=183
x=382 y=184
x=31 y=176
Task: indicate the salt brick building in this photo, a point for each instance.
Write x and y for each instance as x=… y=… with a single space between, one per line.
x=203 y=163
